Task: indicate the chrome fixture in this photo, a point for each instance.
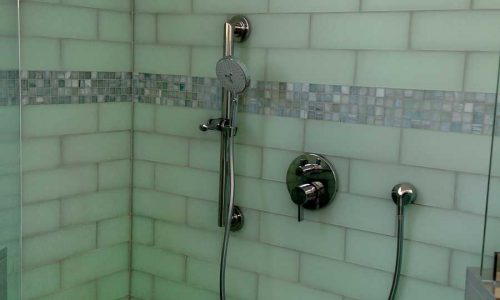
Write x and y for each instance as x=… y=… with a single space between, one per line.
x=234 y=80
x=402 y=194
x=312 y=182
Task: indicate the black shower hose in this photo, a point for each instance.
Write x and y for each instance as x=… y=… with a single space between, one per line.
x=399 y=250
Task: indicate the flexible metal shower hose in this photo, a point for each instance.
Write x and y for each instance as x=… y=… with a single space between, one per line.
x=399 y=251
x=227 y=227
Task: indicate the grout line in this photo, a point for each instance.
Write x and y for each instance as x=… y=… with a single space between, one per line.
x=355 y=67
x=464 y=74
x=410 y=30
x=360 y=6
x=309 y=37
x=455 y=191
x=450 y=260
x=98 y=24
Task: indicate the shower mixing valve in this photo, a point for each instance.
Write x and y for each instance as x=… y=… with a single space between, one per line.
x=312 y=182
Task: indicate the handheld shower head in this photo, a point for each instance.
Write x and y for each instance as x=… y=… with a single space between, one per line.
x=233 y=75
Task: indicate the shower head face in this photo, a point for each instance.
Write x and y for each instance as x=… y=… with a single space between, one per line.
x=233 y=75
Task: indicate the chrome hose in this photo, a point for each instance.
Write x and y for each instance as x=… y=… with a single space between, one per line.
x=230 y=205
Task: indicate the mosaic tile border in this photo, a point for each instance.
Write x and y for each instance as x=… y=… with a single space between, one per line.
x=72 y=87
x=423 y=109
x=462 y=112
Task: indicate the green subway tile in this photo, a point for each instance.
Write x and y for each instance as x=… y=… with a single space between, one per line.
x=9 y=48
x=205 y=155
x=144 y=173
x=113 y=231
x=267 y=31
x=161 y=59
x=444 y=150
x=204 y=60
x=481 y=72
x=177 y=180
x=485 y=4
x=9 y=151
x=466 y=30
x=94 y=264
x=40 y=54
x=248 y=161
x=230 y=6
x=269 y=196
x=114 y=286
x=239 y=284
x=163 y=6
x=115 y=26
x=41 y=153
x=416 y=290
x=383 y=31
x=9 y=119
x=40 y=281
x=43 y=249
x=272 y=289
x=276 y=162
x=158 y=262
x=169 y=290
x=184 y=121
x=144 y=117
x=456 y=230
x=10 y=186
x=161 y=148
x=96 y=147
x=96 y=56
x=493 y=202
x=471 y=192
x=419 y=260
x=358 y=213
x=142 y=285
x=142 y=230
x=460 y=261
x=115 y=116
x=203 y=214
x=185 y=29
x=495 y=157
x=95 y=206
x=152 y=204
x=309 y=237
x=337 y=277
x=185 y=240
x=44 y=20
x=491 y=237
x=321 y=6
x=42 y=217
x=411 y=70
x=342 y=167
x=122 y=5
x=39 y=185
x=83 y=292
x=8 y=19
x=46 y=120
x=338 y=140
x=114 y=174
x=267 y=131
x=145 y=27
x=318 y=66
x=264 y=259
x=377 y=180
x=403 y=5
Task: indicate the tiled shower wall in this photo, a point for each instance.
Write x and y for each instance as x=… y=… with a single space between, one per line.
x=77 y=167
x=372 y=43
x=347 y=250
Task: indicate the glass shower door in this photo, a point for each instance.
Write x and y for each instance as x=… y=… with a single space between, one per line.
x=9 y=152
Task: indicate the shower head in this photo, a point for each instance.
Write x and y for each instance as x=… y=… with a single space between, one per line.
x=233 y=75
